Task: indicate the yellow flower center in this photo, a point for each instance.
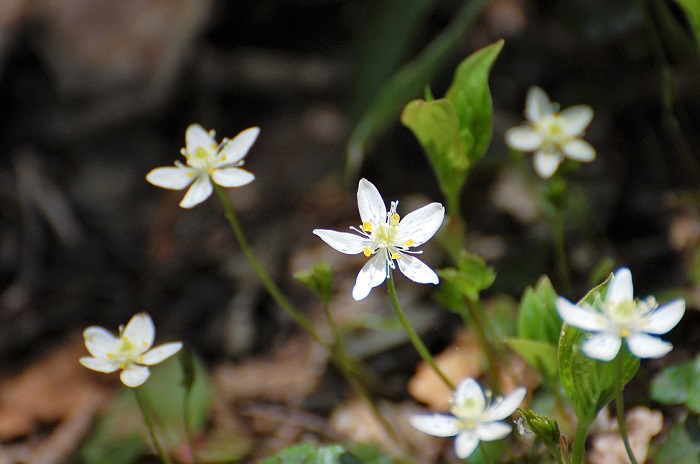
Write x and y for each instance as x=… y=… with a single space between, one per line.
x=201 y=157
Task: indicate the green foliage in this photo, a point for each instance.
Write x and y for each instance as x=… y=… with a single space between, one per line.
x=692 y=11
x=319 y=280
x=330 y=454
x=470 y=277
x=544 y=428
x=455 y=131
x=591 y=384
x=679 y=385
x=406 y=83
x=682 y=444
x=119 y=436
x=539 y=355
x=538 y=317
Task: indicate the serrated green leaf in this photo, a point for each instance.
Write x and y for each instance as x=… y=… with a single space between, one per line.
x=539 y=355
x=591 y=384
x=538 y=318
x=679 y=385
x=319 y=280
x=471 y=276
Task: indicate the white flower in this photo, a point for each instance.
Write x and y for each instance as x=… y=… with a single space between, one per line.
x=475 y=418
x=551 y=134
x=388 y=237
x=207 y=161
x=129 y=352
x=621 y=316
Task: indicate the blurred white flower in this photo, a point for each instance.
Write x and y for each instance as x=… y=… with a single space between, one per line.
x=129 y=352
x=553 y=135
x=207 y=161
x=475 y=418
x=388 y=237
x=621 y=316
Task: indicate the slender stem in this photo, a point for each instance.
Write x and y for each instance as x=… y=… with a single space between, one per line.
x=484 y=453
x=270 y=285
x=141 y=400
x=188 y=427
x=560 y=250
x=579 y=449
x=412 y=335
x=619 y=405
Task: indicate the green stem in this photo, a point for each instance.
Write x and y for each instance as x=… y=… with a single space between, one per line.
x=560 y=250
x=579 y=448
x=141 y=400
x=474 y=316
x=619 y=405
x=484 y=453
x=188 y=427
x=412 y=335
x=265 y=278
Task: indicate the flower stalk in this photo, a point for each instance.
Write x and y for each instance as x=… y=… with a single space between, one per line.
x=148 y=420
x=413 y=336
x=620 y=406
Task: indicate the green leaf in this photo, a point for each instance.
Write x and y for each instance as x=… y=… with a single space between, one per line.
x=540 y=355
x=682 y=444
x=408 y=83
x=436 y=126
x=679 y=385
x=692 y=10
x=471 y=96
x=591 y=384
x=118 y=437
x=456 y=131
x=307 y=454
x=319 y=280
x=538 y=317
x=471 y=276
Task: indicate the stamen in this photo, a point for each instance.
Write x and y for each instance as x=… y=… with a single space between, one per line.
x=409 y=242
x=394 y=219
x=367 y=226
x=395 y=255
x=367 y=252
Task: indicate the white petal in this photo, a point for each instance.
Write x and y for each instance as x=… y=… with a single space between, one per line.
x=100 y=342
x=505 y=407
x=236 y=149
x=523 y=138
x=372 y=274
x=621 y=288
x=469 y=390
x=438 y=425
x=344 y=242
x=232 y=177
x=603 y=346
x=370 y=203
x=134 y=375
x=465 y=444
x=160 y=353
x=196 y=137
x=664 y=318
x=646 y=346
x=200 y=191
x=583 y=318
x=416 y=270
x=537 y=104
x=579 y=150
x=140 y=331
x=100 y=364
x=174 y=178
x=493 y=431
x=546 y=163
x=574 y=120
x=420 y=225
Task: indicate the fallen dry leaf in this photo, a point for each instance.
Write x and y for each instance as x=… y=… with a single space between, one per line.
x=642 y=425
